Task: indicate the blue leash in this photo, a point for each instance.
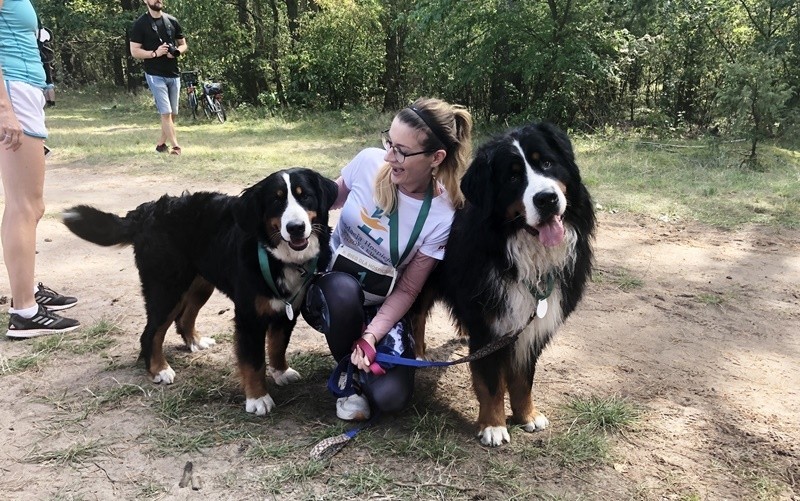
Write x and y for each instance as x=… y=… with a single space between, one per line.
x=330 y=446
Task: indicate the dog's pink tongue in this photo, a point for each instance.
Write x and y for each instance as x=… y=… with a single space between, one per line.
x=551 y=233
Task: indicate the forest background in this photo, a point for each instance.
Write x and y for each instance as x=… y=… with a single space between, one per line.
x=726 y=68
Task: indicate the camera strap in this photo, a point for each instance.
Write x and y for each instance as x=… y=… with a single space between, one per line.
x=167 y=27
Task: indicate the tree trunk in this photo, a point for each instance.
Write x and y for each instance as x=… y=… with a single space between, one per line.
x=274 y=59
x=393 y=74
x=128 y=72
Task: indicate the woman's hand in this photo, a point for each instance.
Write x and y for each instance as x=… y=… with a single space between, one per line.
x=358 y=357
x=10 y=128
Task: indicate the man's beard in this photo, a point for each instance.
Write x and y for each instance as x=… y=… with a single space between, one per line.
x=157 y=6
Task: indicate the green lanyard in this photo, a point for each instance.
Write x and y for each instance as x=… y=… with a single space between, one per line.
x=394 y=227
x=263 y=261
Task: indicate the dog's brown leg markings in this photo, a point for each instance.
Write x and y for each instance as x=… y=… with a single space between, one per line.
x=419 y=317
x=158 y=366
x=523 y=409
x=194 y=299
x=277 y=343
x=255 y=389
x=492 y=414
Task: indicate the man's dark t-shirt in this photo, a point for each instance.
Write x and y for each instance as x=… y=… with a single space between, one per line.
x=142 y=33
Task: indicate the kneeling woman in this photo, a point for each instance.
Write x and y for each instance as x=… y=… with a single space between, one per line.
x=397 y=208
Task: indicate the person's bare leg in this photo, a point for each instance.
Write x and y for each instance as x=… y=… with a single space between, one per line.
x=23 y=186
x=168 y=129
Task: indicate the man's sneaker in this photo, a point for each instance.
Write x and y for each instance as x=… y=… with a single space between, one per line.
x=43 y=323
x=352 y=408
x=52 y=300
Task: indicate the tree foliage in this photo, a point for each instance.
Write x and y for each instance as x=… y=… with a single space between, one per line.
x=730 y=64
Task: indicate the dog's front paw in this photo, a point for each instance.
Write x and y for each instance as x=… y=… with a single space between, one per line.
x=201 y=344
x=540 y=422
x=285 y=377
x=259 y=406
x=166 y=376
x=494 y=435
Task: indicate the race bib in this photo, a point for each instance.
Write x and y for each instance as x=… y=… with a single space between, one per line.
x=376 y=279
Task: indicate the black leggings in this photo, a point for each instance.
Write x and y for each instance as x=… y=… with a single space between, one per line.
x=334 y=306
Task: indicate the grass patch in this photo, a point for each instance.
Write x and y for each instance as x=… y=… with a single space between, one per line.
x=174 y=441
x=260 y=449
x=711 y=298
x=366 y=481
x=73 y=455
x=21 y=363
x=578 y=446
x=115 y=396
x=286 y=476
x=698 y=180
x=184 y=403
x=601 y=414
x=95 y=338
x=618 y=277
x=430 y=438
x=311 y=365
x=586 y=440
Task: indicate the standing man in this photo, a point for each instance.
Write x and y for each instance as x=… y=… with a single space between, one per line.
x=157 y=39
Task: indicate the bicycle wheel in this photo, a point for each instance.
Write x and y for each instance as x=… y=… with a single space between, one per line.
x=207 y=107
x=220 y=112
x=193 y=105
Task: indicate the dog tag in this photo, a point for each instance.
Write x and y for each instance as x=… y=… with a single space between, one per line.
x=541 y=308
x=290 y=311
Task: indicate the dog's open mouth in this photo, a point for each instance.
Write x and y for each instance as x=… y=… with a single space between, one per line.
x=298 y=244
x=550 y=233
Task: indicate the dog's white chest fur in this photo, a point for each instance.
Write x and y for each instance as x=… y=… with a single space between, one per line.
x=534 y=263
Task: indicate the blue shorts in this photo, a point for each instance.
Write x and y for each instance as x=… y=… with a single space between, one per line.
x=165 y=91
x=28 y=104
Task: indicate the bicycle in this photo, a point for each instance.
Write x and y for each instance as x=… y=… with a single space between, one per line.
x=210 y=97
x=212 y=101
x=189 y=81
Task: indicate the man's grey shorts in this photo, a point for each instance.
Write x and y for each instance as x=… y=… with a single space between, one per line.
x=165 y=91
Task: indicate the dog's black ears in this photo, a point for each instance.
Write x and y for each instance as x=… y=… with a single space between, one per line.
x=477 y=182
x=329 y=192
x=557 y=140
x=246 y=210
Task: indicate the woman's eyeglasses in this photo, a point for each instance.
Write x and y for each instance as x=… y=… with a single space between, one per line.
x=399 y=155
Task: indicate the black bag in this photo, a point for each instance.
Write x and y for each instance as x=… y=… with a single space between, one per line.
x=44 y=38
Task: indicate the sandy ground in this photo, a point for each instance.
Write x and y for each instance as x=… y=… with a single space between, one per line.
x=706 y=344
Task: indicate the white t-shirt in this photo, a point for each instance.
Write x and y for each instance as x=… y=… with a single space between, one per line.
x=363 y=226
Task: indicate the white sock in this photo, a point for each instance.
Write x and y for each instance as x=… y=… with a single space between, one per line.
x=25 y=312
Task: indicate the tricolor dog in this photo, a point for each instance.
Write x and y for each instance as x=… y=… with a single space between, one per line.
x=517 y=261
x=260 y=249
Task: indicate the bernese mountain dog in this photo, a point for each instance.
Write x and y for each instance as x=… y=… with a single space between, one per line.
x=260 y=248
x=517 y=262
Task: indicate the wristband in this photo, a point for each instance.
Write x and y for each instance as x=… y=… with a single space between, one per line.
x=154 y=54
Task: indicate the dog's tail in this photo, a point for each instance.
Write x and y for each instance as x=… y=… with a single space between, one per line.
x=98 y=227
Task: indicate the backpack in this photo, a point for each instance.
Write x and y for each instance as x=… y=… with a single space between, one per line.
x=48 y=56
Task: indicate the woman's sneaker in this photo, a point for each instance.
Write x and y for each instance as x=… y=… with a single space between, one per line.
x=52 y=300
x=44 y=322
x=352 y=408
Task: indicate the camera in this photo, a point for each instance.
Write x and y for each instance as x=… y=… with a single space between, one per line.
x=173 y=51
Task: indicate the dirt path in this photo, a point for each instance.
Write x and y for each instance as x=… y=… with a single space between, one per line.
x=698 y=327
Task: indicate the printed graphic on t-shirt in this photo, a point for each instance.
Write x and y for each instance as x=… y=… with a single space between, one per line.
x=372 y=224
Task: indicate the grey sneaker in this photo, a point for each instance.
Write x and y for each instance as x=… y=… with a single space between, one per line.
x=52 y=300
x=43 y=323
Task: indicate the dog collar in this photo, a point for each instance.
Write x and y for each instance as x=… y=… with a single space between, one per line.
x=307 y=269
x=541 y=296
